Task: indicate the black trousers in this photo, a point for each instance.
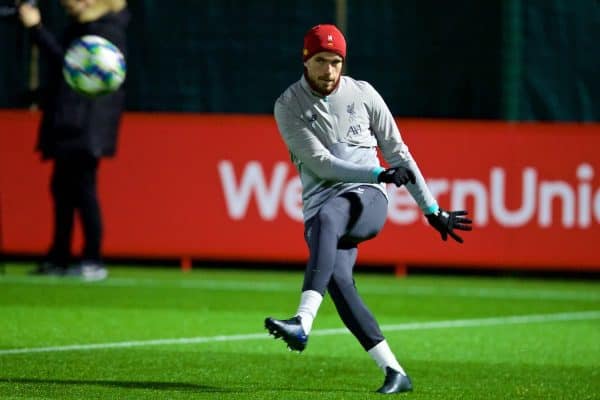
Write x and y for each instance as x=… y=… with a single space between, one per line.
x=332 y=237
x=74 y=190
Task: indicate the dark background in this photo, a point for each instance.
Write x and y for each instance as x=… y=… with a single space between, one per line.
x=493 y=59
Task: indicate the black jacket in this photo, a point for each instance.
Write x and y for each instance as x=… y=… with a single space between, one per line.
x=72 y=123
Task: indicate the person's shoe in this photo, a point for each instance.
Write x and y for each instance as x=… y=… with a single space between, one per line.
x=94 y=272
x=395 y=382
x=88 y=271
x=290 y=330
x=48 y=268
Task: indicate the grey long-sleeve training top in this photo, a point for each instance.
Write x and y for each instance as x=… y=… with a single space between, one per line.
x=333 y=141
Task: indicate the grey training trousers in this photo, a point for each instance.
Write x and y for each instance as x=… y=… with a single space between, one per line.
x=332 y=237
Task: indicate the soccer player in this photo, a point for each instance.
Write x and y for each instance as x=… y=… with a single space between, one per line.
x=332 y=125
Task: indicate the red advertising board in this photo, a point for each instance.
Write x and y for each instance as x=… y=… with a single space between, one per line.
x=222 y=187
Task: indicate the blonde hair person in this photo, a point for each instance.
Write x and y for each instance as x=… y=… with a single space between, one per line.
x=81 y=10
x=76 y=132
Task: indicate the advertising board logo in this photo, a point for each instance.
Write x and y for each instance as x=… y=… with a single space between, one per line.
x=547 y=203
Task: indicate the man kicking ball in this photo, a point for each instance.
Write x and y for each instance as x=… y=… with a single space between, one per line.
x=332 y=126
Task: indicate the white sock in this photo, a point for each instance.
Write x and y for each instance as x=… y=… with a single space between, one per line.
x=383 y=356
x=310 y=301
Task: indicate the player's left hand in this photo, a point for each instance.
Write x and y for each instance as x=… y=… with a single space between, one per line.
x=445 y=222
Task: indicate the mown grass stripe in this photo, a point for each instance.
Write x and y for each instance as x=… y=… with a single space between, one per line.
x=232 y=285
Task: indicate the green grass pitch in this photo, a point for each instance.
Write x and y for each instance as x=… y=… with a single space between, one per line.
x=159 y=333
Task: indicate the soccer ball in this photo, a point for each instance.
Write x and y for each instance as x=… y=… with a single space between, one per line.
x=93 y=66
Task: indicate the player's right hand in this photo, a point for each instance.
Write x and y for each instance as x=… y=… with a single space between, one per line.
x=398 y=176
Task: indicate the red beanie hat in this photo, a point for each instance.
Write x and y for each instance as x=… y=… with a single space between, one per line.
x=323 y=38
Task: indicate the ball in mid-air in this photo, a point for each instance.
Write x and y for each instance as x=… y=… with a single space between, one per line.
x=93 y=66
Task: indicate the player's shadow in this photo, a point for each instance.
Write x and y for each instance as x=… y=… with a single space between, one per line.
x=178 y=386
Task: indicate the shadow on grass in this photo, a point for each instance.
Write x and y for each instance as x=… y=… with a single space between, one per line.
x=168 y=386
x=180 y=386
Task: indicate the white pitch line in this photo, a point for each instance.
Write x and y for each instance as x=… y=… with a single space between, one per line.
x=411 y=326
x=416 y=290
